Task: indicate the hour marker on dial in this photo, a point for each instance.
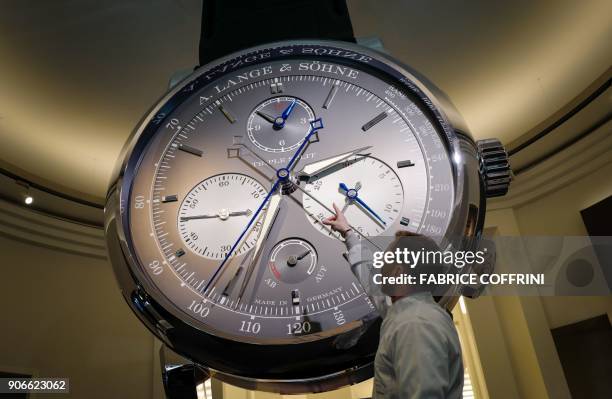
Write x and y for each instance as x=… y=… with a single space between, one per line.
x=404 y=164
x=276 y=87
x=170 y=198
x=374 y=121
x=295 y=297
x=331 y=95
x=226 y=113
x=190 y=150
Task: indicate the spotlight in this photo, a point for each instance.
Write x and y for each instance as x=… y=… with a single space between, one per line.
x=462 y=305
x=25 y=192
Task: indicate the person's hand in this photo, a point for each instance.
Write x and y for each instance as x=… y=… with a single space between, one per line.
x=338 y=222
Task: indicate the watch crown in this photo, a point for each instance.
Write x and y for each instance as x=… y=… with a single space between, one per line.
x=494 y=167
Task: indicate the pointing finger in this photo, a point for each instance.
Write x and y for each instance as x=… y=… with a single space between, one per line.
x=329 y=220
x=336 y=209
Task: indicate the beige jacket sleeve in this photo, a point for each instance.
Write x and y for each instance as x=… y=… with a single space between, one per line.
x=360 y=258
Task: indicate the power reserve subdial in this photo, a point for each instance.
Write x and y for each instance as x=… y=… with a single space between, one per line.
x=367 y=190
x=293 y=260
x=214 y=212
x=279 y=124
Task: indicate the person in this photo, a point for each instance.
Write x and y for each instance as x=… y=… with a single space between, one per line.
x=419 y=355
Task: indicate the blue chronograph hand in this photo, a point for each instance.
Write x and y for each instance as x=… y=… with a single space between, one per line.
x=288 y=110
x=360 y=201
x=352 y=194
x=280 y=122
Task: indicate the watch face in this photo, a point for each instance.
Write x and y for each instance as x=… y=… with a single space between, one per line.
x=371 y=180
x=214 y=159
x=269 y=132
x=213 y=214
x=239 y=253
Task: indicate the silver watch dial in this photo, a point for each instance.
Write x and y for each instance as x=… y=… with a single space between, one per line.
x=292 y=261
x=367 y=191
x=269 y=131
x=204 y=171
x=214 y=213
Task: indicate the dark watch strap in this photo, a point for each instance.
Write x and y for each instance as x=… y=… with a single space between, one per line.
x=232 y=25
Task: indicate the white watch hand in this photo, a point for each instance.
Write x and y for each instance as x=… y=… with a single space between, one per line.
x=317 y=167
x=186 y=218
x=223 y=214
x=237 y=213
x=266 y=226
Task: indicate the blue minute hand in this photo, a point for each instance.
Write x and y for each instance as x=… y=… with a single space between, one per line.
x=353 y=195
x=280 y=123
x=288 y=110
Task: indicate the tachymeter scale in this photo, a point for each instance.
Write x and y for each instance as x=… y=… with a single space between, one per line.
x=215 y=211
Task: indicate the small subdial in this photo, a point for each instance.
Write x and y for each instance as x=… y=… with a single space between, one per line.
x=214 y=213
x=279 y=124
x=293 y=260
x=367 y=190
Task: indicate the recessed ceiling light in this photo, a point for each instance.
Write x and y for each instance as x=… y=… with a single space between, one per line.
x=28 y=200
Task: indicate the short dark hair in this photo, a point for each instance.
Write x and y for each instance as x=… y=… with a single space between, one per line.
x=414 y=242
x=418 y=242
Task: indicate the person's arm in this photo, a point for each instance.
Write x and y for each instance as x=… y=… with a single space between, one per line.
x=360 y=260
x=420 y=361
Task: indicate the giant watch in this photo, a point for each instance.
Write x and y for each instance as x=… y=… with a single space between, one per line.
x=213 y=219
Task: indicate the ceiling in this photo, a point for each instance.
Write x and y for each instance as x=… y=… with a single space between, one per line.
x=76 y=76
